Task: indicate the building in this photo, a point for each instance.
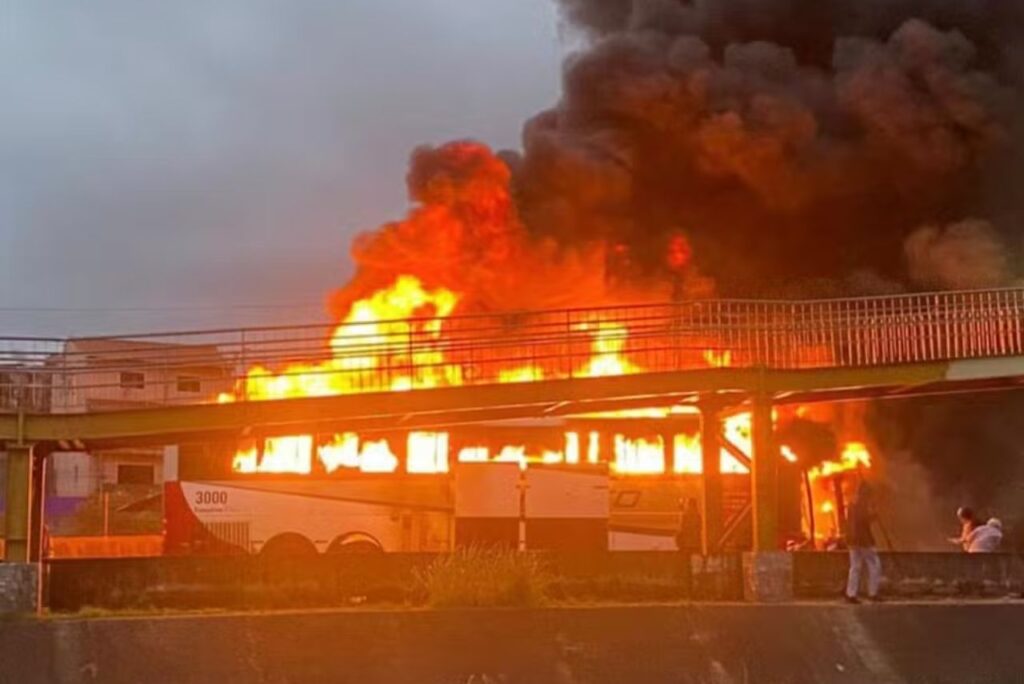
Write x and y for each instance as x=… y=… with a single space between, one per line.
x=25 y=389
x=105 y=374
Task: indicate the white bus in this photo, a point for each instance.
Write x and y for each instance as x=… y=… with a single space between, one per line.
x=409 y=491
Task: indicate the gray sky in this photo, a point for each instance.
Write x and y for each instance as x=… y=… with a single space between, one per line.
x=158 y=159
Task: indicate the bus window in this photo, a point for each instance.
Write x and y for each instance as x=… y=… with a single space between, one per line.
x=427 y=452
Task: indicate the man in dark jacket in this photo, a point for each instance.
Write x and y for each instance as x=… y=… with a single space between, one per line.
x=689 y=533
x=861 y=542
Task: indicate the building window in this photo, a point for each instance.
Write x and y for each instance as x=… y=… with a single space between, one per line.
x=133 y=380
x=128 y=474
x=189 y=383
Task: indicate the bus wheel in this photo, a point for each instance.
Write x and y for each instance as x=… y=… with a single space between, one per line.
x=355 y=543
x=288 y=544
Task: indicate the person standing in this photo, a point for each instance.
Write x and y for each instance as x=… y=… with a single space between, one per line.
x=688 y=541
x=689 y=533
x=861 y=542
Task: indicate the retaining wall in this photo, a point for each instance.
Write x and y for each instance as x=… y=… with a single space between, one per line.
x=245 y=582
x=696 y=643
x=913 y=575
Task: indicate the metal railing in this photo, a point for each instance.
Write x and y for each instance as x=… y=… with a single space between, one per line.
x=107 y=373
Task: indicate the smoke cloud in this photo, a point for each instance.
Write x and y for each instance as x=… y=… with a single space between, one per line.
x=793 y=143
x=464 y=233
x=785 y=146
x=751 y=148
x=966 y=255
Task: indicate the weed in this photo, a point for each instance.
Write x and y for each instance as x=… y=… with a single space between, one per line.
x=483 y=577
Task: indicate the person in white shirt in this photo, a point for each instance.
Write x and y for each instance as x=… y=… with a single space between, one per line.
x=985 y=538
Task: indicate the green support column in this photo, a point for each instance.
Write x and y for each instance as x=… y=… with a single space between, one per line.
x=765 y=476
x=18 y=504
x=711 y=480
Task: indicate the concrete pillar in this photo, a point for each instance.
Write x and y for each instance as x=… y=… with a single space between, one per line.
x=768 y=576
x=711 y=479
x=19 y=587
x=765 y=475
x=19 y=501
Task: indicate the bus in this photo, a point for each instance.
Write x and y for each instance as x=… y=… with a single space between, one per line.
x=559 y=484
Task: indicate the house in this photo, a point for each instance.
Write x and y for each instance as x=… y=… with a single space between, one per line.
x=24 y=389
x=109 y=374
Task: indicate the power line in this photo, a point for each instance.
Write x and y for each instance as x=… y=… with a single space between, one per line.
x=155 y=309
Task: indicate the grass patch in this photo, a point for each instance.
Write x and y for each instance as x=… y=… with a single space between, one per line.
x=481 y=577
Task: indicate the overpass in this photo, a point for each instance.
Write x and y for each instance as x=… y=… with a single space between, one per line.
x=430 y=372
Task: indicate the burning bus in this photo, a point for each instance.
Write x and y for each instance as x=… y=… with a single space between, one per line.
x=569 y=484
x=593 y=481
x=587 y=483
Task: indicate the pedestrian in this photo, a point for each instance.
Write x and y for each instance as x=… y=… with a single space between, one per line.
x=688 y=541
x=688 y=538
x=986 y=538
x=969 y=522
x=861 y=543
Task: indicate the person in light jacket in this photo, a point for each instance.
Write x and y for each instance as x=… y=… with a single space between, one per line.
x=986 y=538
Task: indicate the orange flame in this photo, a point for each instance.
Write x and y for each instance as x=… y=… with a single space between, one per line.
x=855 y=455
x=347 y=451
x=718 y=359
x=280 y=455
x=639 y=456
x=373 y=336
x=606 y=351
x=427 y=452
x=370 y=338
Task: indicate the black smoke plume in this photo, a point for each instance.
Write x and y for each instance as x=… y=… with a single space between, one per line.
x=751 y=148
x=797 y=144
x=805 y=147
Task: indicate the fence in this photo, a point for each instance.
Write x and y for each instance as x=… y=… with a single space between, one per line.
x=107 y=373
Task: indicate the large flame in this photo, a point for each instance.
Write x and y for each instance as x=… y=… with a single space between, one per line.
x=826 y=483
x=393 y=340
x=855 y=455
x=371 y=337
x=279 y=455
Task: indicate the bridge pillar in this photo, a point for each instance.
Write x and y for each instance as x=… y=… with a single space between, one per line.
x=18 y=577
x=17 y=514
x=765 y=475
x=711 y=478
x=767 y=572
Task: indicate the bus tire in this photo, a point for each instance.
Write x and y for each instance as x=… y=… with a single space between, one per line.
x=355 y=542
x=288 y=544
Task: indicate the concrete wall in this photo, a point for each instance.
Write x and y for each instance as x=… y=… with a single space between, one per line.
x=720 y=644
x=18 y=587
x=337 y=580
x=246 y=582
x=823 y=575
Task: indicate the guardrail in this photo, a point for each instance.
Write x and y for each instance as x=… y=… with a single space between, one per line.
x=107 y=373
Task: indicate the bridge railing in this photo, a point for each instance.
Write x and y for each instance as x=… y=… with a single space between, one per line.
x=109 y=373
